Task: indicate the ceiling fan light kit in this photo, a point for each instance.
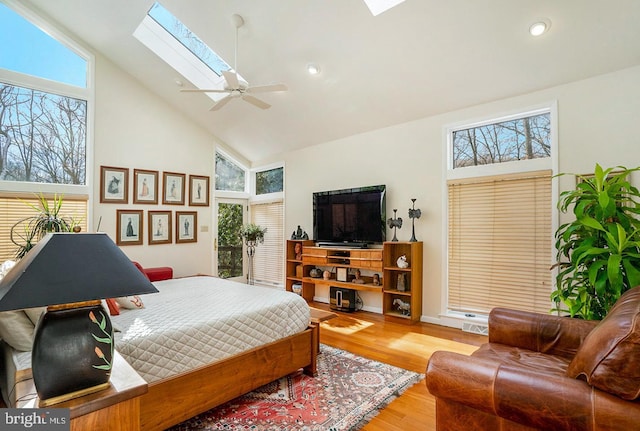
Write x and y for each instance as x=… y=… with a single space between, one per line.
x=236 y=87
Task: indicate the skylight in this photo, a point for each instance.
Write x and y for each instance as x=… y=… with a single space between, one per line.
x=182 y=49
x=187 y=38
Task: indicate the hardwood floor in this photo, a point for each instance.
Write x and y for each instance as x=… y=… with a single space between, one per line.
x=403 y=345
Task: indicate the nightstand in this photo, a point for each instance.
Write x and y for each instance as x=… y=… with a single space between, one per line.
x=114 y=409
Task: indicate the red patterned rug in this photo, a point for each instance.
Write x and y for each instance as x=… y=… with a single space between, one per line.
x=347 y=393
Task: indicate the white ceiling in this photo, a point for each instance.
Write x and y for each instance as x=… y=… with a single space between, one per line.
x=421 y=58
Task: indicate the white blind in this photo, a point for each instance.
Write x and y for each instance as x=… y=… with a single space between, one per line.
x=500 y=243
x=269 y=257
x=14 y=208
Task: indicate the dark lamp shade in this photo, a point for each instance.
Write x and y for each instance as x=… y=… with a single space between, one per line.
x=71 y=267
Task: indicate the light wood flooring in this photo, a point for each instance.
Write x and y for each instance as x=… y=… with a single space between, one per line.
x=403 y=345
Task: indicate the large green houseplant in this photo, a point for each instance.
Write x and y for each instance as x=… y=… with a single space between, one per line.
x=47 y=218
x=598 y=253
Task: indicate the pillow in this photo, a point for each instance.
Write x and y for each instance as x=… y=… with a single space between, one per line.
x=608 y=357
x=16 y=329
x=130 y=302
x=34 y=313
x=112 y=305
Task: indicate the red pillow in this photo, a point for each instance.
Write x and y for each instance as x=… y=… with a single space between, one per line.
x=114 y=308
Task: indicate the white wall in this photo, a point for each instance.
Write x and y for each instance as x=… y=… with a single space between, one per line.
x=597 y=121
x=136 y=129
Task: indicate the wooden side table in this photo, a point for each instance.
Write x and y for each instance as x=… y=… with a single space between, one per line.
x=318 y=316
x=114 y=409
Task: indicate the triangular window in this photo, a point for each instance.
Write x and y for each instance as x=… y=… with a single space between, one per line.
x=27 y=49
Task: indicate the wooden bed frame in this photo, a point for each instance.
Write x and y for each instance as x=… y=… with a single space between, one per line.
x=178 y=398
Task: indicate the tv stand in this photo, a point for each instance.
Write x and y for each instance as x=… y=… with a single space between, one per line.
x=343 y=244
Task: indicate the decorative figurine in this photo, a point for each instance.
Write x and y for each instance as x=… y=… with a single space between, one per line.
x=358 y=279
x=326 y=275
x=395 y=222
x=376 y=279
x=297 y=249
x=403 y=307
x=299 y=234
x=402 y=262
x=401 y=284
x=413 y=215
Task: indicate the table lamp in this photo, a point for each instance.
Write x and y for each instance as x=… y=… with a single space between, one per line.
x=73 y=341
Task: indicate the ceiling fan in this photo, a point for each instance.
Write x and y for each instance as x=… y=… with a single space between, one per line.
x=237 y=88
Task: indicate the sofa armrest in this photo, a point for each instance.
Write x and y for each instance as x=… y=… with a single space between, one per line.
x=526 y=396
x=555 y=335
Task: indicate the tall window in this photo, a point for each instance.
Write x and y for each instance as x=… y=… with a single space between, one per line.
x=45 y=101
x=500 y=217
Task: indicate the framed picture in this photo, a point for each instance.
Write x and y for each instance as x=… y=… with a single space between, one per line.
x=145 y=187
x=186 y=226
x=129 y=227
x=114 y=185
x=160 y=227
x=341 y=274
x=173 y=193
x=198 y=191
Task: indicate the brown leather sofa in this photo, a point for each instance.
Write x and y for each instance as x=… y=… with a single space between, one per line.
x=543 y=372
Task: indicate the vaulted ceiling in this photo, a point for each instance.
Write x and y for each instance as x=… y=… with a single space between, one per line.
x=421 y=58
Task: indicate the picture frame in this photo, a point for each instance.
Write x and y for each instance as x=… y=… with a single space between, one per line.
x=129 y=225
x=341 y=274
x=114 y=185
x=145 y=187
x=198 y=190
x=186 y=226
x=173 y=188
x=160 y=227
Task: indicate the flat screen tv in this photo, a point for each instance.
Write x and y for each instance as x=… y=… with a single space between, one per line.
x=352 y=217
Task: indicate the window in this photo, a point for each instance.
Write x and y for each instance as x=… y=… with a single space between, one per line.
x=500 y=215
x=518 y=139
x=270 y=181
x=267 y=263
x=229 y=176
x=45 y=98
x=43 y=136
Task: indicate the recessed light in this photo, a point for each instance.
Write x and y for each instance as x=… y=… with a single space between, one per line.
x=540 y=27
x=313 y=69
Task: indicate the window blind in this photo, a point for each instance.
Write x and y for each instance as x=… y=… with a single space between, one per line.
x=269 y=257
x=13 y=208
x=500 y=243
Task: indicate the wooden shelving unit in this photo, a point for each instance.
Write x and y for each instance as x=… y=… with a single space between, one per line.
x=375 y=260
x=412 y=293
x=293 y=274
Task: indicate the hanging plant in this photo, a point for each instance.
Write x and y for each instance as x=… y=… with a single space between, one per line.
x=598 y=253
x=252 y=233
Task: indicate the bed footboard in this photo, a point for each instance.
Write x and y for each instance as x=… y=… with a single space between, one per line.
x=173 y=400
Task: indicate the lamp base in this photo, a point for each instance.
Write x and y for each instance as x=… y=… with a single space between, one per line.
x=71 y=395
x=72 y=352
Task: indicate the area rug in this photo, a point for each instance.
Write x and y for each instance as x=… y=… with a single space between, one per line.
x=347 y=393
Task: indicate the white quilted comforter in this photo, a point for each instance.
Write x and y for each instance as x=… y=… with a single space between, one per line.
x=196 y=321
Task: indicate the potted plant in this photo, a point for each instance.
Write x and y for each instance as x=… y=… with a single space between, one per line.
x=598 y=253
x=26 y=232
x=252 y=234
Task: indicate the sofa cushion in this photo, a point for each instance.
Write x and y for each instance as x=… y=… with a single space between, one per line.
x=608 y=357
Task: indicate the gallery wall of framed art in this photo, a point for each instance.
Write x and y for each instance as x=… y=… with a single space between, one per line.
x=154 y=188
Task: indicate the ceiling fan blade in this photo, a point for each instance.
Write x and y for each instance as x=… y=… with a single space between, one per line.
x=231 y=78
x=256 y=102
x=221 y=103
x=267 y=88
x=197 y=90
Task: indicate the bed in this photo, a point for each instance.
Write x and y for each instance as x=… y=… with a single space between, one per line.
x=202 y=341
